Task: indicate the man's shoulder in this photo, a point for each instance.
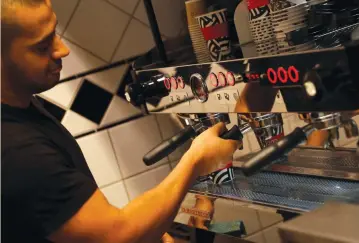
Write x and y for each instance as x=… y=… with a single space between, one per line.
x=16 y=133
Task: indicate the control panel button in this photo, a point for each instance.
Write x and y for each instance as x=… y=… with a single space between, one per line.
x=293 y=74
x=213 y=79
x=167 y=83
x=272 y=75
x=174 y=83
x=231 y=79
x=180 y=82
x=222 y=80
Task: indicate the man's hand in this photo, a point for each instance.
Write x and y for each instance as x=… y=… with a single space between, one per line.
x=167 y=238
x=210 y=151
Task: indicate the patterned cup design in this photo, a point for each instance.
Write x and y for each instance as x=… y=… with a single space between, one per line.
x=222 y=176
x=214 y=27
x=260 y=12
x=276 y=5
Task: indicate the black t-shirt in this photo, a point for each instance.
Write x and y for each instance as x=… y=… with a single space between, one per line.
x=45 y=178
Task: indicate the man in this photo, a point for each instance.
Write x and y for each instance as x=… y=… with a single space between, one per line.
x=48 y=193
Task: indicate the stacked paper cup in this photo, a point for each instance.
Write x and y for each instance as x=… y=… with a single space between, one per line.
x=193 y=9
x=291 y=28
x=261 y=27
x=315 y=2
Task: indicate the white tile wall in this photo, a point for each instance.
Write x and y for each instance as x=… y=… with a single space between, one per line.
x=119 y=109
x=116 y=194
x=138 y=40
x=126 y=5
x=64 y=93
x=109 y=79
x=77 y=124
x=141 y=183
x=78 y=61
x=98 y=27
x=132 y=141
x=63 y=9
x=100 y=157
x=170 y=16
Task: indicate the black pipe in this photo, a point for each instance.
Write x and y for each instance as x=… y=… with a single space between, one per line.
x=155 y=30
x=101 y=69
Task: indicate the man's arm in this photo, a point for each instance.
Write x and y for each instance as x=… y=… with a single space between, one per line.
x=149 y=216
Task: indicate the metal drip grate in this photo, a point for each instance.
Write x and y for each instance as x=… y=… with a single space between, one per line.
x=297 y=192
x=325 y=158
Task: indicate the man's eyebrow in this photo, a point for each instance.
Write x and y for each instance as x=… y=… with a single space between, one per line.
x=49 y=36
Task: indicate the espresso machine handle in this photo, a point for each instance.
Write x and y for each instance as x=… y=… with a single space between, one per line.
x=170 y=145
x=167 y=147
x=269 y=154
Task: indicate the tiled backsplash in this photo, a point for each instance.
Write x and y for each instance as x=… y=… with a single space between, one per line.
x=99 y=32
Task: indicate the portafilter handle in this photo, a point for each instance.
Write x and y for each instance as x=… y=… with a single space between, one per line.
x=167 y=147
x=269 y=154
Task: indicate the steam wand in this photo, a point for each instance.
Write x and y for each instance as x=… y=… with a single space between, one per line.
x=269 y=154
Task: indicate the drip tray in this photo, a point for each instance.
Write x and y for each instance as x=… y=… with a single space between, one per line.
x=287 y=191
x=339 y=164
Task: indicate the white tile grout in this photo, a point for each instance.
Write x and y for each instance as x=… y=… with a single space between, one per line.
x=121 y=39
x=118 y=8
x=71 y=16
x=111 y=184
x=118 y=165
x=143 y=172
x=81 y=47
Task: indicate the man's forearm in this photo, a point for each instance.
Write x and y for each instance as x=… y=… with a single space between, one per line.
x=150 y=215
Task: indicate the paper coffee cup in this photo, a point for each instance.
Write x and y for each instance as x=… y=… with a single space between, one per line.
x=223 y=175
x=193 y=9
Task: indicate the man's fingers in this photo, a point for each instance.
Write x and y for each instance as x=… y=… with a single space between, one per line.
x=219 y=129
x=167 y=238
x=235 y=144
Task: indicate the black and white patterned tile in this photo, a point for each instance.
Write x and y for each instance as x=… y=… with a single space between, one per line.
x=57 y=111
x=91 y=101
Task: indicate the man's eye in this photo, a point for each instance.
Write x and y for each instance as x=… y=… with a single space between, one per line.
x=43 y=48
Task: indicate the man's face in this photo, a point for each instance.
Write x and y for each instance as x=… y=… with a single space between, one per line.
x=33 y=61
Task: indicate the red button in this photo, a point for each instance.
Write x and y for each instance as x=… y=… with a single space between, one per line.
x=231 y=79
x=282 y=75
x=213 y=79
x=180 y=82
x=174 y=83
x=167 y=83
x=293 y=74
x=222 y=79
x=272 y=75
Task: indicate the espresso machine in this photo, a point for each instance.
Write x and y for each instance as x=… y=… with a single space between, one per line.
x=254 y=195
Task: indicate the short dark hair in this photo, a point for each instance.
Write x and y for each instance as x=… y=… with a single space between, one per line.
x=9 y=29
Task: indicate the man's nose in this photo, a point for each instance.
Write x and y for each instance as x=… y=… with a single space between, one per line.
x=60 y=50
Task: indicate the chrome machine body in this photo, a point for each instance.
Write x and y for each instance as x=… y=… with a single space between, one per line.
x=285 y=178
